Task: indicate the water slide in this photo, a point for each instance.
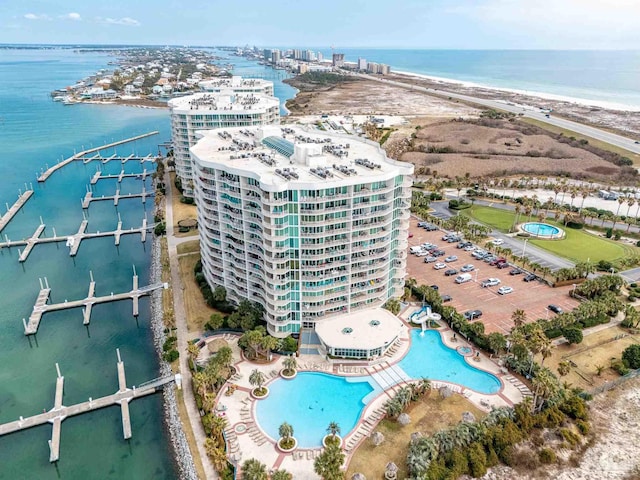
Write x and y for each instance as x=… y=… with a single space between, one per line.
x=416 y=317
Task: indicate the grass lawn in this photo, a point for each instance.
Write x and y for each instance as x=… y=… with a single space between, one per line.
x=428 y=416
x=577 y=245
x=188 y=247
x=597 y=348
x=197 y=311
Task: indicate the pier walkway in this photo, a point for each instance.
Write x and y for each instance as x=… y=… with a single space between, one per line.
x=88 y=198
x=59 y=412
x=73 y=241
x=119 y=177
x=117 y=158
x=15 y=208
x=43 y=177
x=41 y=305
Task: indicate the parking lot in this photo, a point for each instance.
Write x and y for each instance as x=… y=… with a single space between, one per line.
x=532 y=297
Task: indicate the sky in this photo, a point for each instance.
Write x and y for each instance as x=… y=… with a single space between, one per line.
x=455 y=24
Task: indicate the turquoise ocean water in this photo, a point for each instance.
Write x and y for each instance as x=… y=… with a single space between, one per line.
x=34 y=132
x=604 y=76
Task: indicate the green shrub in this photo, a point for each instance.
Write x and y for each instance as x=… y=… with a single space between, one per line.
x=620 y=367
x=631 y=298
x=160 y=229
x=477 y=460
x=631 y=356
x=570 y=437
x=547 y=456
x=575 y=408
x=573 y=335
x=583 y=426
x=171 y=355
x=609 y=232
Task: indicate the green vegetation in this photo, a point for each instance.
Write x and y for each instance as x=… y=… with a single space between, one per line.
x=322 y=78
x=577 y=245
x=170 y=353
x=631 y=356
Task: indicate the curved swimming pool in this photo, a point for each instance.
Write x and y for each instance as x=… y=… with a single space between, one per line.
x=309 y=402
x=541 y=229
x=430 y=358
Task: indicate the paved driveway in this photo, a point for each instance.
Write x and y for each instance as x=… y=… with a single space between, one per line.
x=532 y=297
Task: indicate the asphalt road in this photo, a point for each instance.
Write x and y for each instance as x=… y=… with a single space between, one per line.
x=598 y=134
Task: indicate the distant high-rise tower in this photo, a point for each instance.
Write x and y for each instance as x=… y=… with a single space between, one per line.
x=338 y=59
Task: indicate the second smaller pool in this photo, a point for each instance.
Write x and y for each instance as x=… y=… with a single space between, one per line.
x=542 y=230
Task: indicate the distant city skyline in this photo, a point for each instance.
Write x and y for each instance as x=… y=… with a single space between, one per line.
x=455 y=24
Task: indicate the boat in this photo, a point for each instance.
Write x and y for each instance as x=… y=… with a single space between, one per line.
x=59 y=98
x=69 y=101
x=70 y=241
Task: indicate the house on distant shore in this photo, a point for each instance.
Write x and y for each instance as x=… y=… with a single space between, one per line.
x=98 y=93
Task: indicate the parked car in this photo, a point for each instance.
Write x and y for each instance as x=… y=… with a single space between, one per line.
x=464 y=244
x=479 y=254
x=440 y=266
x=469 y=248
x=451 y=271
x=496 y=261
x=430 y=259
x=503 y=265
x=435 y=287
x=515 y=271
x=472 y=314
x=555 y=308
x=451 y=258
x=529 y=277
x=490 y=282
x=453 y=239
x=505 y=290
x=431 y=228
x=498 y=241
x=410 y=235
x=468 y=268
x=423 y=224
x=437 y=253
x=422 y=253
x=445 y=298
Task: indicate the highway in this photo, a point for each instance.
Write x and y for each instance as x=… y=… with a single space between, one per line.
x=529 y=112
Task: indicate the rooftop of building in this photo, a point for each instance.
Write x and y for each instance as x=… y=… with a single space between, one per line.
x=365 y=329
x=235 y=81
x=227 y=100
x=279 y=156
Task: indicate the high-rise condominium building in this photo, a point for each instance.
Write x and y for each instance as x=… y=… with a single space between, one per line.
x=205 y=111
x=309 y=224
x=238 y=85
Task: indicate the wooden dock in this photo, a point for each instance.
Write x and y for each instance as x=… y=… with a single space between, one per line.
x=41 y=305
x=15 y=208
x=73 y=241
x=59 y=412
x=43 y=177
x=119 y=177
x=117 y=158
x=88 y=198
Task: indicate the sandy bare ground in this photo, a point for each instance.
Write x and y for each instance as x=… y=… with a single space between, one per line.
x=365 y=97
x=615 y=455
x=614 y=120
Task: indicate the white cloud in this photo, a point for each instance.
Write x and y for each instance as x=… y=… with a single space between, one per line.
x=33 y=16
x=125 y=21
x=71 y=16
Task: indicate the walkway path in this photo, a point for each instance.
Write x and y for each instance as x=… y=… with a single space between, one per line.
x=182 y=333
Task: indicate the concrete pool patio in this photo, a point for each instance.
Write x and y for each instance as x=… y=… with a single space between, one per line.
x=245 y=439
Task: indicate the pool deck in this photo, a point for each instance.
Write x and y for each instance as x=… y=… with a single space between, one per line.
x=246 y=440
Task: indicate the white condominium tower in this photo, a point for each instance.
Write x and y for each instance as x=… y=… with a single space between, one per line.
x=238 y=85
x=205 y=111
x=308 y=224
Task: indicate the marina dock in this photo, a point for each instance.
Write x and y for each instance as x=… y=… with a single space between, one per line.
x=43 y=177
x=73 y=241
x=59 y=412
x=41 y=305
x=88 y=198
x=119 y=177
x=15 y=208
x=116 y=158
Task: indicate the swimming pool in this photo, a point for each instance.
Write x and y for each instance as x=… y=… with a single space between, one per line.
x=541 y=229
x=430 y=358
x=309 y=402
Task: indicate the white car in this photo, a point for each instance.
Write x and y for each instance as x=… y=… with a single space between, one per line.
x=491 y=282
x=505 y=290
x=422 y=253
x=440 y=266
x=470 y=248
x=498 y=241
x=468 y=268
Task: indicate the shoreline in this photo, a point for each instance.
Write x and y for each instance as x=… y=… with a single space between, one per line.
x=179 y=445
x=528 y=93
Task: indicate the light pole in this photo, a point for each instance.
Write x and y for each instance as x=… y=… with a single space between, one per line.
x=477 y=271
x=524 y=247
x=573 y=292
x=546 y=315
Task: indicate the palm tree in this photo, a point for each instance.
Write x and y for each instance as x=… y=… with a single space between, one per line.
x=329 y=463
x=224 y=357
x=546 y=348
x=281 y=475
x=252 y=469
x=564 y=368
x=216 y=454
x=333 y=429
x=290 y=364
x=519 y=317
x=286 y=432
x=193 y=351
x=585 y=194
x=268 y=343
x=545 y=386
x=257 y=379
